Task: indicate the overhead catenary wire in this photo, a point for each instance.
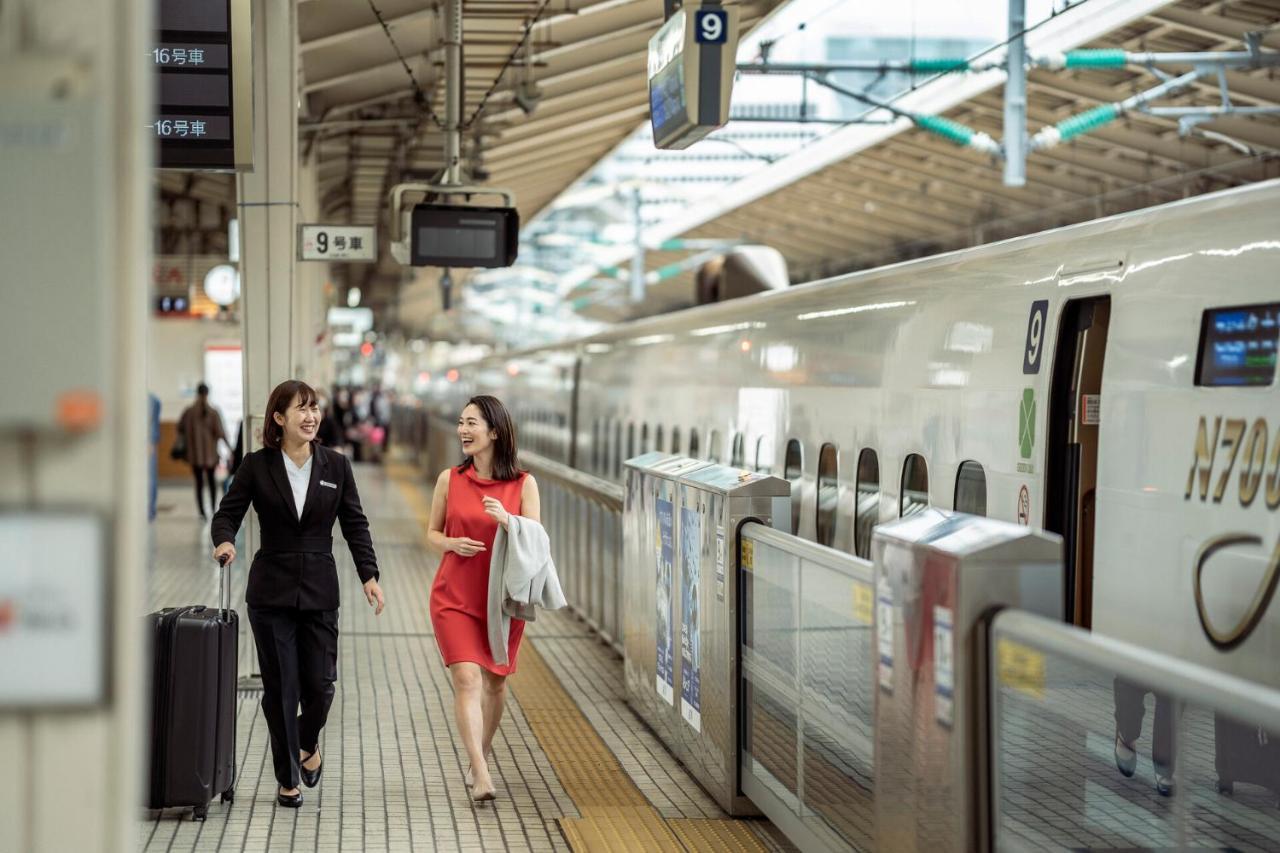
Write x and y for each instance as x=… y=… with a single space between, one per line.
x=419 y=96
x=515 y=51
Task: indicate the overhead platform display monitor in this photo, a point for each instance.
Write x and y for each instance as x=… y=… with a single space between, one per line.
x=203 y=60
x=691 y=69
x=447 y=235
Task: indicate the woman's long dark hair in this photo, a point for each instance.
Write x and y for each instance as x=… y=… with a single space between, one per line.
x=506 y=462
x=278 y=403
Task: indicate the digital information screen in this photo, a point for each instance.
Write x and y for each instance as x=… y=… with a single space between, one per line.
x=456 y=236
x=690 y=70
x=196 y=123
x=1238 y=345
x=668 y=108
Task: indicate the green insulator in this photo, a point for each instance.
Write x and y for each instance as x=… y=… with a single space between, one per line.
x=1087 y=121
x=1102 y=58
x=946 y=128
x=671 y=245
x=939 y=66
x=669 y=270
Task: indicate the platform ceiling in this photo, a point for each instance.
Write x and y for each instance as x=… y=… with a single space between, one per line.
x=862 y=196
x=360 y=122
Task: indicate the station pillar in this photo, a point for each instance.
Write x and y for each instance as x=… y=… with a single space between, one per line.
x=267 y=198
x=76 y=190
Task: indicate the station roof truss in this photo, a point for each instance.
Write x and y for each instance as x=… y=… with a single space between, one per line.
x=870 y=195
x=584 y=59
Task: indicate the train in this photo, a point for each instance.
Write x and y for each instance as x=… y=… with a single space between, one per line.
x=1111 y=381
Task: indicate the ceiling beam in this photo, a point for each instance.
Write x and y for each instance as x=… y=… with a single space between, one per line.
x=628 y=116
x=1212 y=26
x=368 y=29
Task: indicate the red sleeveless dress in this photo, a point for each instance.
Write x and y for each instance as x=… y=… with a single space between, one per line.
x=460 y=591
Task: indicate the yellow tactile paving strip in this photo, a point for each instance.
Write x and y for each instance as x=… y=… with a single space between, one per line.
x=616 y=816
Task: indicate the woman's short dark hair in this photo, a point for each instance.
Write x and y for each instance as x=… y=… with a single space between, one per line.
x=278 y=403
x=506 y=461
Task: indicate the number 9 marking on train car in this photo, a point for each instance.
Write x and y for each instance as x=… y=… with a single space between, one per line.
x=711 y=26
x=1035 y=336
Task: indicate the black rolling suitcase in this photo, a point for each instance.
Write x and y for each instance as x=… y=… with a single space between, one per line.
x=193 y=714
x=1247 y=754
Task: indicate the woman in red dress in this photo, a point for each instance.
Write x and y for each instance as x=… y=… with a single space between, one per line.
x=469 y=503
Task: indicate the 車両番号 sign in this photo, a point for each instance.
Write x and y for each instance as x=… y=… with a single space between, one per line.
x=204 y=97
x=337 y=243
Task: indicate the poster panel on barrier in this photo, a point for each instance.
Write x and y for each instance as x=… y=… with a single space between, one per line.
x=665 y=680
x=690 y=579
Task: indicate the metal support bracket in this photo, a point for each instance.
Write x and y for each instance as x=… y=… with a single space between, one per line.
x=466 y=190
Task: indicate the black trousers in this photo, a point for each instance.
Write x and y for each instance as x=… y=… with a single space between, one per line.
x=1130 y=711
x=203 y=475
x=298 y=654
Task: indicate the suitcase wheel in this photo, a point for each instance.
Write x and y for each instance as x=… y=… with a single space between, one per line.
x=229 y=795
x=200 y=813
x=1225 y=787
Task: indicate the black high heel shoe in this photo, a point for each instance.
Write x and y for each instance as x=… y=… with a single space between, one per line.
x=311 y=778
x=289 y=801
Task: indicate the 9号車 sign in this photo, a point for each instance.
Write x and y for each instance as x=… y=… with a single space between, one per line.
x=337 y=243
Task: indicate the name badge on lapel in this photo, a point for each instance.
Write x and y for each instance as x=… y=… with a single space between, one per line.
x=328 y=485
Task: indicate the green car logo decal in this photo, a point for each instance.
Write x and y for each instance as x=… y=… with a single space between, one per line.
x=1027 y=423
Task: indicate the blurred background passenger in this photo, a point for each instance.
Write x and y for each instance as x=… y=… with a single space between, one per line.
x=200 y=430
x=329 y=434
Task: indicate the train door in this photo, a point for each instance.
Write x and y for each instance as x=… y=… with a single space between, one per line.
x=1074 y=416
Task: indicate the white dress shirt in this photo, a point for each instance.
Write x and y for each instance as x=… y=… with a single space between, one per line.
x=299 y=479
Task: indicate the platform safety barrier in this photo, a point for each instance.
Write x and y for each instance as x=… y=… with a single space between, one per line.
x=584 y=520
x=681 y=624
x=1058 y=695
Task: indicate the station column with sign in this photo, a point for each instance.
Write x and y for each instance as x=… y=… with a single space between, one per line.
x=268 y=216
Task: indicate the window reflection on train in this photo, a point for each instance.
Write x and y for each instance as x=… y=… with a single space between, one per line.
x=915 y=486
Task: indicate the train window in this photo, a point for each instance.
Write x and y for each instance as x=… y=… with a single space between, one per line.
x=693 y=443
x=595 y=447
x=739 y=451
x=971 y=489
x=828 y=494
x=915 y=486
x=675 y=440
x=713 y=446
x=792 y=470
x=866 y=513
x=644 y=438
x=631 y=439
x=617 y=450
x=764 y=455
x=657 y=438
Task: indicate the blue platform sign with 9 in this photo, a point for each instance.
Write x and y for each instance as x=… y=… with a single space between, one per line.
x=711 y=26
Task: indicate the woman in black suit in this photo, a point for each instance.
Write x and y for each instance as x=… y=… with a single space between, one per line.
x=297 y=488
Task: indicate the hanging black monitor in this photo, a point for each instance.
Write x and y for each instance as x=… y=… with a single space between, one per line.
x=449 y=235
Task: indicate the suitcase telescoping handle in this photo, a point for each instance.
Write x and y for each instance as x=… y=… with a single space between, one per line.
x=224 y=580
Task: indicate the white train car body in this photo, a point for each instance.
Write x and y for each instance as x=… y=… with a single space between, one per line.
x=1071 y=366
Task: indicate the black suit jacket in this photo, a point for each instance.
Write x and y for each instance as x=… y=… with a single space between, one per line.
x=295 y=565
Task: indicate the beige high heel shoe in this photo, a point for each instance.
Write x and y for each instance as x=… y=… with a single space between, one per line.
x=469 y=778
x=483 y=794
